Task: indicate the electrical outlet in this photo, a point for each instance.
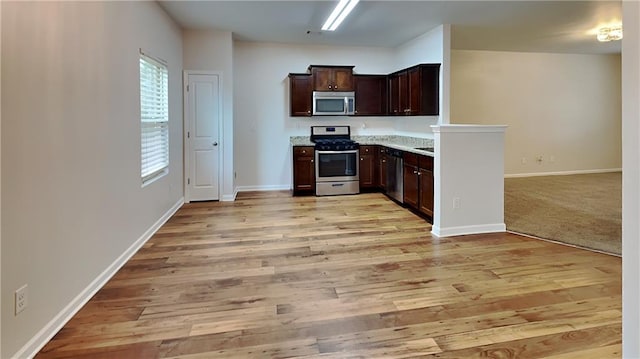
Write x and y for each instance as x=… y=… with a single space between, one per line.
x=456 y=202
x=539 y=158
x=524 y=160
x=21 y=299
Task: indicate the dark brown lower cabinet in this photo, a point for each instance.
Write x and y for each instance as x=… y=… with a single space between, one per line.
x=304 y=171
x=382 y=167
x=426 y=192
x=411 y=181
x=417 y=172
x=418 y=183
x=367 y=167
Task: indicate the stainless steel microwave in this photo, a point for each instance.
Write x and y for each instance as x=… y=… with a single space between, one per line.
x=333 y=103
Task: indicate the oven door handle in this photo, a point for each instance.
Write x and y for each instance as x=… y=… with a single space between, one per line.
x=336 y=152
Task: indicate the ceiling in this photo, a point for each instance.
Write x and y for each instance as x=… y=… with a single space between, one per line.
x=524 y=26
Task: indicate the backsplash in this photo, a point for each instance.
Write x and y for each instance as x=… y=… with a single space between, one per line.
x=406 y=141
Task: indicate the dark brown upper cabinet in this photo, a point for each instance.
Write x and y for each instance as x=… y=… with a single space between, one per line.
x=409 y=92
x=371 y=95
x=332 y=78
x=415 y=90
x=300 y=93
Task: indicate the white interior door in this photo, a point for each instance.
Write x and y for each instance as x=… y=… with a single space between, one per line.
x=203 y=137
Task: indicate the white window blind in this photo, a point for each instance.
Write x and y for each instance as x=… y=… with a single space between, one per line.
x=154 y=116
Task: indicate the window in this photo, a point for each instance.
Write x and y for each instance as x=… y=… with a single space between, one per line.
x=154 y=118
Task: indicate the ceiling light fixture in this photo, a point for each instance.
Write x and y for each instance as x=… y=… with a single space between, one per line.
x=611 y=33
x=341 y=11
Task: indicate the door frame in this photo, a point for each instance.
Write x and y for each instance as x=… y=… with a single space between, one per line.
x=186 y=141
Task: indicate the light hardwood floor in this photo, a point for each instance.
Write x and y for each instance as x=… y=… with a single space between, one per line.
x=275 y=276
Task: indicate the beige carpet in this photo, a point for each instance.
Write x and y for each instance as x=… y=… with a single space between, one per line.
x=583 y=210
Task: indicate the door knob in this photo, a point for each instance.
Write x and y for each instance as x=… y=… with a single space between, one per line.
x=215 y=144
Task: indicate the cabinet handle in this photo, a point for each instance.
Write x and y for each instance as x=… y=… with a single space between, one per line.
x=311 y=161
x=415 y=172
x=304 y=151
x=308 y=112
x=361 y=159
x=329 y=86
x=383 y=161
x=419 y=173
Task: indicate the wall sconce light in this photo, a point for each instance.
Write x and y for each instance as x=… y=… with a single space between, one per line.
x=612 y=33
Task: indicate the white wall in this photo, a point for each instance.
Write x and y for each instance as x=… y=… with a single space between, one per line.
x=426 y=48
x=213 y=51
x=262 y=125
x=563 y=105
x=631 y=181
x=72 y=201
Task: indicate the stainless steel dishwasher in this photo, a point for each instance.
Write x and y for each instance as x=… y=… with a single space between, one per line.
x=395 y=179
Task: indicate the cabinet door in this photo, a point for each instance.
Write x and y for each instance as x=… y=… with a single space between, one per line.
x=300 y=93
x=414 y=91
x=430 y=89
x=304 y=172
x=394 y=95
x=371 y=94
x=343 y=79
x=426 y=192
x=322 y=79
x=411 y=186
x=367 y=168
x=382 y=168
x=403 y=93
x=332 y=78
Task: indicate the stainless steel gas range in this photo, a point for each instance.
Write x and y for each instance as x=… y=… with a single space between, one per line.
x=336 y=160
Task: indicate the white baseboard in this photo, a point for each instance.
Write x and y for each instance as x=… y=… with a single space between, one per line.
x=463 y=230
x=33 y=346
x=562 y=173
x=263 y=188
x=230 y=197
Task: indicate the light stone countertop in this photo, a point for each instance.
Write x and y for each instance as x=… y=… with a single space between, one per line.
x=404 y=143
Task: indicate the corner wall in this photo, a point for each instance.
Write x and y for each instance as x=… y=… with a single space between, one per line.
x=563 y=107
x=73 y=207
